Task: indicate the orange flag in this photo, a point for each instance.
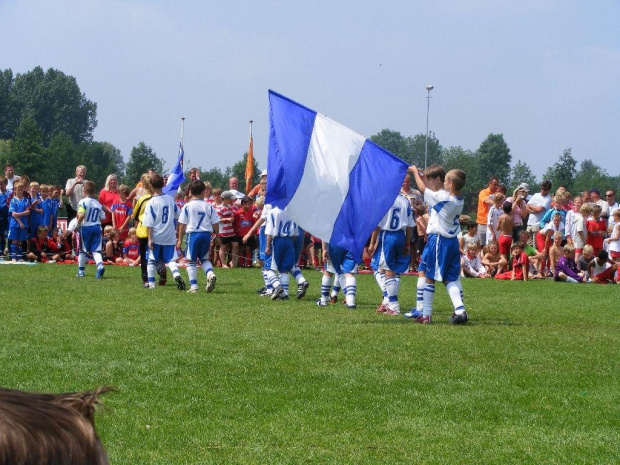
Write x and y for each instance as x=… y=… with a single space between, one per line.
x=249 y=167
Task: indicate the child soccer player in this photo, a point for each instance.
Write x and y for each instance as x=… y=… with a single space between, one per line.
x=472 y=264
x=4 y=213
x=495 y=212
x=389 y=246
x=441 y=260
x=228 y=238
x=566 y=268
x=435 y=177
x=38 y=246
x=36 y=210
x=596 y=227
x=244 y=220
x=59 y=246
x=199 y=219
x=520 y=264
x=46 y=205
x=114 y=247
x=89 y=216
x=159 y=216
x=280 y=232
x=602 y=269
x=18 y=221
x=339 y=263
x=122 y=212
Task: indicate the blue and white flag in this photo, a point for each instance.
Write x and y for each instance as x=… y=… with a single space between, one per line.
x=177 y=177
x=333 y=182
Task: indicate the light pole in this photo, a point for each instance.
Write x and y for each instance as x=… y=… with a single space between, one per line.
x=428 y=107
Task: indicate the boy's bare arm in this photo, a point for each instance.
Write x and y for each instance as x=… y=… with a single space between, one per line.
x=420 y=179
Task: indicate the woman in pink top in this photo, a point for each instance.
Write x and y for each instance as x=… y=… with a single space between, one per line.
x=109 y=196
x=519 y=200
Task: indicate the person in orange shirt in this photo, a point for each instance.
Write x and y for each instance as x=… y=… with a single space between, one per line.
x=485 y=201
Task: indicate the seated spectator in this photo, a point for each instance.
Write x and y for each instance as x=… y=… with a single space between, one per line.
x=520 y=264
x=131 y=249
x=470 y=238
x=566 y=268
x=586 y=258
x=537 y=259
x=493 y=261
x=556 y=251
x=602 y=269
x=38 y=248
x=114 y=247
x=59 y=246
x=472 y=264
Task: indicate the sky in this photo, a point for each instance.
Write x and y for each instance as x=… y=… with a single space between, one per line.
x=544 y=73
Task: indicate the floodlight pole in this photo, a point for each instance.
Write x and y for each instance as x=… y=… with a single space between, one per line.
x=428 y=107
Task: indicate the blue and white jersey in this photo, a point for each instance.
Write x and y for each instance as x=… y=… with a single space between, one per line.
x=159 y=215
x=264 y=213
x=399 y=216
x=445 y=210
x=93 y=211
x=278 y=224
x=199 y=216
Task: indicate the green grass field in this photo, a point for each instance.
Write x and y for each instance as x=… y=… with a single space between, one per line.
x=230 y=377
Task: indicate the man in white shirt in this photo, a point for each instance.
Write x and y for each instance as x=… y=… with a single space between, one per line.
x=537 y=207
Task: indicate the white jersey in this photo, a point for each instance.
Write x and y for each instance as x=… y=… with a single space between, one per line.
x=199 y=216
x=493 y=220
x=444 y=213
x=159 y=214
x=93 y=211
x=614 y=246
x=264 y=213
x=399 y=216
x=278 y=224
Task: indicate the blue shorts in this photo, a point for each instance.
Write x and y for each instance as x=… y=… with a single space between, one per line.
x=390 y=252
x=198 y=244
x=340 y=260
x=18 y=234
x=163 y=253
x=91 y=239
x=441 y=259
x=282 y=254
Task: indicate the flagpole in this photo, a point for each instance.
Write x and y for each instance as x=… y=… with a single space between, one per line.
x=249 y=166
x=182 y=128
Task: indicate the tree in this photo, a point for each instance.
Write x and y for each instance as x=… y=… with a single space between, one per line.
x=409 y=149
x=54 y=101
x=101 y=159
x=27 y=154
x=521 y=173
x=61 y=158
x=563 y=172
x=238 y=171
x=216 y=177
x=7 y=117
x=459 y=158
x=493 y=158
x=142 y=158
x=5 y=152
x=590 y=176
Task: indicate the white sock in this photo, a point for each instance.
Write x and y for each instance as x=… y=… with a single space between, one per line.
x=455 y=295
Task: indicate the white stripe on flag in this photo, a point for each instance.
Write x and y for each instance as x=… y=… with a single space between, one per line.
x=333 y=152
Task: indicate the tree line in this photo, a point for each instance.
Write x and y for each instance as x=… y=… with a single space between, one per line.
x=47 y=125
x=493 y=158
x=46 y=130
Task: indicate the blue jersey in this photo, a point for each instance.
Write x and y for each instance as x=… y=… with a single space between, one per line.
x=92 y=210
x=159 y=215
x=36 y=218
x=46 y=205
x=18 y=206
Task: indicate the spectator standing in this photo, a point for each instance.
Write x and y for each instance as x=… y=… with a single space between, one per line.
x=610 y=197
x=11 y=177
x=109 y=196
x=595 y=199
x=537 y=206
x=75 y=191
x=485 y=202
x=233 y=186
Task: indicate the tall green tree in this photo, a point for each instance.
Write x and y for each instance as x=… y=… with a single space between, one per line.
x=216 y=177
x=494 y=158
x=101 y=159
x=410 y=149
x=590 y=176
x=8 y=124
x=61 y=158
x=521 y=173
x=5 y=152
x=54 y=101
x=238 y=171
x=563 y=172
x=459 y=158
x=142 y=158
x=27 y=153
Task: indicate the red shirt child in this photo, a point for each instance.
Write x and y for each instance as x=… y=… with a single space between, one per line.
x=596 y=228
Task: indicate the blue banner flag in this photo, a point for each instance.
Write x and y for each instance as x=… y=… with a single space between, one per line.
x=333 y=182
x=177 y=177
